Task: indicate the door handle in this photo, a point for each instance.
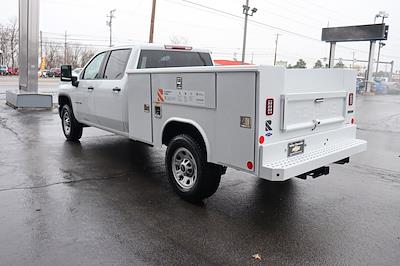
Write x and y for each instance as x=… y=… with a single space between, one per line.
x=90 y=88
x=116 y=89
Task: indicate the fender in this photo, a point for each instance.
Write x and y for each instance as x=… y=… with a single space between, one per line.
x=61 y=94
x=190 y=122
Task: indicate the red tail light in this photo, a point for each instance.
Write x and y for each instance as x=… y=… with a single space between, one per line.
x=351 y=99
x=269 y=106
x=250 y=165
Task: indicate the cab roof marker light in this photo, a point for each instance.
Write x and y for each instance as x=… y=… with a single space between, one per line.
x=178 y=47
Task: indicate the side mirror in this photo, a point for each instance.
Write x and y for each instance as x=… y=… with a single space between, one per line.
x=66 y=75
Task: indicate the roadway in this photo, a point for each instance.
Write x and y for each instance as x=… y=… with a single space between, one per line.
x=106 y=201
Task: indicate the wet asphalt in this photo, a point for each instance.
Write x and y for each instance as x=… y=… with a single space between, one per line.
x=106 y=201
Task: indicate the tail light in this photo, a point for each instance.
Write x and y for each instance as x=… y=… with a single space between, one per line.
x=269 y=106
x=351 y=99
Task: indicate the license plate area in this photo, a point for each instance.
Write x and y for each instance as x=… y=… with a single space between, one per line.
x=295 y=148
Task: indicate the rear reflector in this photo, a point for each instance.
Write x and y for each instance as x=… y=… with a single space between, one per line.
x=269 y=106
x=250 y=165
x=178 y=47
x=261 y=139
x=351 y=99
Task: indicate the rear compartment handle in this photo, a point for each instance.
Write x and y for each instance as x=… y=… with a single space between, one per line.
x=319 y=100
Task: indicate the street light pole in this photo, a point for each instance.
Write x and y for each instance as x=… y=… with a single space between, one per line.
x=109 y=23
x=276 y=47
x=383 y=15
x=247 y=12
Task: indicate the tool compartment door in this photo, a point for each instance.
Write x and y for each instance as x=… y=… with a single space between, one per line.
x=235 y=102
x=139 y=107
x=312 y=111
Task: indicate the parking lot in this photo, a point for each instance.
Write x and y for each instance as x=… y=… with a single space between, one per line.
x=106 y=201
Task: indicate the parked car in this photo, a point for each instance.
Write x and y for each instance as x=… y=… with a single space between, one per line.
x=50 y=74
x=43 y=73
x=13 y=71
x=360 y=84
x=56 y=72
x=4 y=71
x=380 y=87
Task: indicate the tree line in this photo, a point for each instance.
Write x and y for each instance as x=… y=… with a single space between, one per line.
x=318 y=64
x=54 y=52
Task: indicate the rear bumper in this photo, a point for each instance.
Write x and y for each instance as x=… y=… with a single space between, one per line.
x=321 y=150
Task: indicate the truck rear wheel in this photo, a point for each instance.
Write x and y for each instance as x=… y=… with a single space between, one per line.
x=72 y=129
x=189 y=173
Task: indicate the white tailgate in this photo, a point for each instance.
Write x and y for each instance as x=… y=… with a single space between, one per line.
x=312 y=110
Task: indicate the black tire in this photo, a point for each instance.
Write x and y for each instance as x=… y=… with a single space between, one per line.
x=72 y=129
x=207 y=178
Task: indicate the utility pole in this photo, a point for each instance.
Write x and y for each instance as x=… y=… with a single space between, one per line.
x=247 y=12
x=153 y=16
x=41 y=44
x=41 y=48
x=109 y=23
x=65 y=48
x=276 y=47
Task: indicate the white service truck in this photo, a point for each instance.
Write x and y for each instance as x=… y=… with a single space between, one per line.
x=271 y=122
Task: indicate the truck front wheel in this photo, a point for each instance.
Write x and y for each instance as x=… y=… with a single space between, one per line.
x=72 y=129
x=189 y=173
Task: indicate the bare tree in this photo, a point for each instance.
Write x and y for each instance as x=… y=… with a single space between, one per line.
x=9 y=42
x=53 y=55
x=86 y=54
x=176 y=39
x=4 y=47
x=14 y=40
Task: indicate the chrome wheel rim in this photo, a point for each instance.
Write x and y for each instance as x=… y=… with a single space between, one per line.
x=184 y=168
x=67 y=123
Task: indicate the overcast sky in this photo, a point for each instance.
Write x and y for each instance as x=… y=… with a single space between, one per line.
x=86 y=20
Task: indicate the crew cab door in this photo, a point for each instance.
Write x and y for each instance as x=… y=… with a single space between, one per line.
x=110 y=96
x=84 y=98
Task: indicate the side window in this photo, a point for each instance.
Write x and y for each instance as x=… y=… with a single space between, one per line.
x=92 y=70
x=116 y=64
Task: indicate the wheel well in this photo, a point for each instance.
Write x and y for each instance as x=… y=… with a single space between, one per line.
x=63 y=100
x=175 y=128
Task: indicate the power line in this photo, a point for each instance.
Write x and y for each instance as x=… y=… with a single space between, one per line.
x=215 y=10
x=253 y=21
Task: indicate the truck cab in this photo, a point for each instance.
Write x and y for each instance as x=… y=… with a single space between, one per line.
x=103 y=81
